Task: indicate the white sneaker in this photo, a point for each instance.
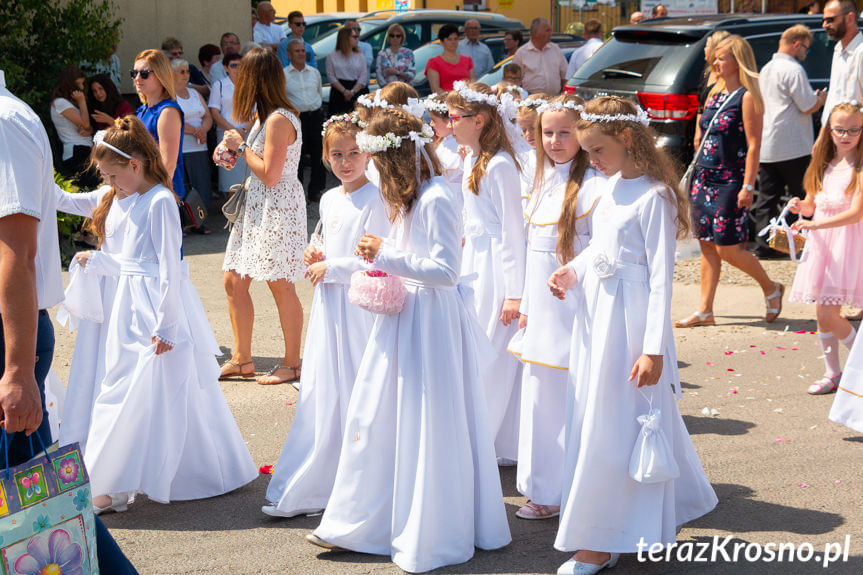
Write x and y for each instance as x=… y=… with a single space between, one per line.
x=573 y=567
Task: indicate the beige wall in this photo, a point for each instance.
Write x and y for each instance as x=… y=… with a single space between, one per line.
x=195 y=22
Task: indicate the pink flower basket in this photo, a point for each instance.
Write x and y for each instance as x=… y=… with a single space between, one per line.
x=377 y=292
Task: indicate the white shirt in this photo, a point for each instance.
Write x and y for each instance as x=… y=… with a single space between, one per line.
x=785 y=88
x=27 y=187
x=581 y=55
x=304 y=87
x=222 y=99
x=479 y=53
x=193 y=114
x=846 y=81
x=270 y=33
x=67 y=131
x=217 y=72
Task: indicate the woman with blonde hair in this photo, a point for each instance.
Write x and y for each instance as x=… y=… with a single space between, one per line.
x=396 y=62
x=347 y=71
x=708 y=78
x=159 y=112
x=723 y=183
x=268 y=239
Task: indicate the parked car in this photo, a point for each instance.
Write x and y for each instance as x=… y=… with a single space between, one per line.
x=659 y=63
x=568 y=44
x=421 y=27
x=318 y=25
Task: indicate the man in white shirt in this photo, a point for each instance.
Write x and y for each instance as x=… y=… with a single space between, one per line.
x=542 y=62
x=593 y=35
x=477 y=51
x=786 y=141
x=266 y=32
x=303 y=84
x=846 y=77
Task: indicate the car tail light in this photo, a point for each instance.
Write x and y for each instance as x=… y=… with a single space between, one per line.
x=669 y=106
x=569 y=89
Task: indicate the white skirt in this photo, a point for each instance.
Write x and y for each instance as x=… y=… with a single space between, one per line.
x=161 y=425
x=417 y=441
x=335 y=341
x=848 y=405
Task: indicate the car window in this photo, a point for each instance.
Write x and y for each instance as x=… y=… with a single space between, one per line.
x=422 y=57
x=820 y=58
x=764 y=46
x=633 y=64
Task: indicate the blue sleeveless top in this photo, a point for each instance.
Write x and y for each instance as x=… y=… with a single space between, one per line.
x=149 y=116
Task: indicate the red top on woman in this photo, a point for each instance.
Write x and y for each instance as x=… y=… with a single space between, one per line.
x=450 y=73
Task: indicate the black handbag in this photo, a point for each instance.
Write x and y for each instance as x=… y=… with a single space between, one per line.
x=193 y=212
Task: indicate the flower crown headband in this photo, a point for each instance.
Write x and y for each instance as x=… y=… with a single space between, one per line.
x=414 y=106
x=506 y=107
x=376 y=144
x=640 y=117
x=353 y=118
x=99 y=140
x=532 y=103
x=558 y=106
x=432 y=104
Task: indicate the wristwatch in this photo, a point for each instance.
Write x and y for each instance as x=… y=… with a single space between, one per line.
x=243 y=147
x=748 y=187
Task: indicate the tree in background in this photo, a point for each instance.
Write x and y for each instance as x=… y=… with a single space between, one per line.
x=41 y=37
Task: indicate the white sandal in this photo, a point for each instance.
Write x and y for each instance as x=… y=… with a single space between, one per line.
x=779 y=292
x=700 y=320
x=825 y=385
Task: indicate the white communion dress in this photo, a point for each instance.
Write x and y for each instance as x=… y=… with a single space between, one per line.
x=847 y=407
x=494 y=250
x=627 y=274
x=336 y=338
x=160 y=423
x=544 y=344
x=417 y=477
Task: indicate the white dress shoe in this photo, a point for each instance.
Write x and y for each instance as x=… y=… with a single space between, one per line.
x=273 y=511
x=119 y=503
x=573 y=567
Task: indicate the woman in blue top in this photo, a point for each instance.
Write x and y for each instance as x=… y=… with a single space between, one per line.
x=160 y=113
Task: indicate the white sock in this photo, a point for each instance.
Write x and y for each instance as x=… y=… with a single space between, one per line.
x=830 y=346
x=848 y=340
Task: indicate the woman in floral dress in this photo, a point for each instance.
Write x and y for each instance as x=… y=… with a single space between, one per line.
x=396 y=63
x=724 y=177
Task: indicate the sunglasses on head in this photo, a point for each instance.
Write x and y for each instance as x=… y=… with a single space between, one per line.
x=144 y=74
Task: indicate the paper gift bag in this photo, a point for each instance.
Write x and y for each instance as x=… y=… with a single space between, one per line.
x=46 y=515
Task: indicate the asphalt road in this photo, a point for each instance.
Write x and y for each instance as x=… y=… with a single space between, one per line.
x=782 y=471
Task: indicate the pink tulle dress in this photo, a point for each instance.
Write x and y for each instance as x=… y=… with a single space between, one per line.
x=831 y=271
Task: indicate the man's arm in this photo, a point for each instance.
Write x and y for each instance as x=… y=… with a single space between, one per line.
x=20 y=402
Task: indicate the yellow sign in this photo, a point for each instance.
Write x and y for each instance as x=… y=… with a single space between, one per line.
x=505 y=4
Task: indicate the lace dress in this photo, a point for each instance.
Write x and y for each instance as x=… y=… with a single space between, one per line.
x=268 y=239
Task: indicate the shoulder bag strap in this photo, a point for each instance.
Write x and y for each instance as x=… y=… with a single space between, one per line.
x=712 y=120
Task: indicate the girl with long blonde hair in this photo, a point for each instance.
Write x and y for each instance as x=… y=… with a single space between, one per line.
x=494 y=247
x=622 y=361
x=558 y=227
x=723 y=181
x=417 y=435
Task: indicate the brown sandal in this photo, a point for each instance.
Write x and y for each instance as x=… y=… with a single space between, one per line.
x=238 y=371
x=271 y=379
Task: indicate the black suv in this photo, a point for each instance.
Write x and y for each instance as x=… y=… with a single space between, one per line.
x=659 y=64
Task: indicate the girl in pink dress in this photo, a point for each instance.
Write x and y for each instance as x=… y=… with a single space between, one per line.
x=831 y=274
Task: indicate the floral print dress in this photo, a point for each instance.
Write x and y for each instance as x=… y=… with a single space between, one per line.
x=718 y=175
x=402 y=61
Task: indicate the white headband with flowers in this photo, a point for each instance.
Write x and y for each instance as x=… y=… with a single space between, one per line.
x=99 y=140
x=414 y=106
x=353 y=118
x=432 y=104
x=376 y=144
x=506 y=107
x=532 y=103
x=558 y=106
x=639 y=117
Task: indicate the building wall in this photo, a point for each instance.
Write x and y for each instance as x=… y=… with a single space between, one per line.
x=195 y=22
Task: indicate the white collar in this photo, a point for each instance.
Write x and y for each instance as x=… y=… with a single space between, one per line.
x=852 y=45
x=290 y=67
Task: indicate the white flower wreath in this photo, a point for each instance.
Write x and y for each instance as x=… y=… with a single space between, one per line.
x=640 y=117
x=376 y=144
x=353 y=118
x=558 y=106
x=532 y=103
x=432 y=104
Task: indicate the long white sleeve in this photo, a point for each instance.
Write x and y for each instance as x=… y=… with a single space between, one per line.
x=375 y=222
x=504 y=184
x=657 y=224
x=81 y=204
x=435 y=213
x=166 y=234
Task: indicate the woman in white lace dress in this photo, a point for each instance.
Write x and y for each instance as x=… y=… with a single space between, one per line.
x=268 y=239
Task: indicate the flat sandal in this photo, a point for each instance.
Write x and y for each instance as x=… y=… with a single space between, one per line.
x=701 y=320
x=296 y=369
x=233 y=374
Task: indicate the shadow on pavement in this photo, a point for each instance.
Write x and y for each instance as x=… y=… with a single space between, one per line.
x=716 y=425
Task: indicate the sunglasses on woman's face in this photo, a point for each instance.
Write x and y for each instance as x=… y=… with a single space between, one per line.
x=144 y=74
x=396 y=36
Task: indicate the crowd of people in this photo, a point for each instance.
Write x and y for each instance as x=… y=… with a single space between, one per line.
x=526 y=236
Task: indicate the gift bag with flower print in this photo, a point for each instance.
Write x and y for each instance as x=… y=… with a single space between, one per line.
x=46 y=514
